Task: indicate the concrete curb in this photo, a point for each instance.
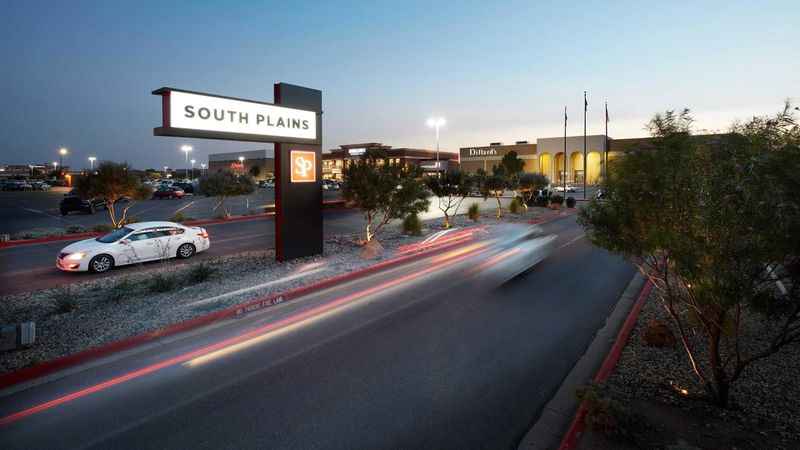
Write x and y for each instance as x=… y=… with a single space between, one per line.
x=332 y=204
x=29 y=373
x=563 y=412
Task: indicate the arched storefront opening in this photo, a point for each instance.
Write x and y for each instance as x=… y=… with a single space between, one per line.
x=594 y=164
x=576 y=167
x=559 y=173
x=546 y=165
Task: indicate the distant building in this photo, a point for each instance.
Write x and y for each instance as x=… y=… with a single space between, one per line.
x=335 y=160
x=264 y=160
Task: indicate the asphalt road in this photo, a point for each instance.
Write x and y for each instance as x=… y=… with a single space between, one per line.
x=22 y=211
x=415 y=357
x=30 y=267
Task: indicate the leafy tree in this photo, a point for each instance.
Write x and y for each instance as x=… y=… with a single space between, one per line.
x=223 y=185
x=118 y=186
x=493 y=186
x=255 y=171
x=528 y=184
x=713 y=224
x=512 y=165
x=383 y=191
x=451 y=188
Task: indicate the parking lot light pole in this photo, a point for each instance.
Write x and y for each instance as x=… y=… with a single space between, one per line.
x=436 y=122
x=91 y=163
x=202 y=169
x=186 y=149
x=62 y=152
x=192 y=161
x=241 y=163
x=165 y=171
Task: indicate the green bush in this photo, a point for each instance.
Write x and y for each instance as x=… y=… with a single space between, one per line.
x=74 y=229
x=120 y=290
x=556 y=199
x=515 y=206
x=102 y=228
x=162 y=283
x=199 y=273
x=412 y=225
x=64 y=300
x=474 y=212
x=180 y=217
x=570 y=202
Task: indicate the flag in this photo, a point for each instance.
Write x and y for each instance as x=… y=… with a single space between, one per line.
x=585 y=102
x=565 y=116
x=606 y=112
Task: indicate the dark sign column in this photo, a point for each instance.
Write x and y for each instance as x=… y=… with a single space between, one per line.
x=298 y=182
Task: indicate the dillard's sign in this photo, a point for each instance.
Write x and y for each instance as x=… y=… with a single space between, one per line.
x=484 y=151
x=208 y=113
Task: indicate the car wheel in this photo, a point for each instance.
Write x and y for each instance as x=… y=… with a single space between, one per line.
x=101 y=263
x=186 y=251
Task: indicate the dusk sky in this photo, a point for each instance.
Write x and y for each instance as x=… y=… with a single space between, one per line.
x=80 y=74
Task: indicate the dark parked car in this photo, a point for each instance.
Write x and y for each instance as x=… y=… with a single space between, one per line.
x=168 y=192
x=74 y=203
x=188 y=188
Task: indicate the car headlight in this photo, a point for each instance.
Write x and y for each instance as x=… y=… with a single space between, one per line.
x=76 y=256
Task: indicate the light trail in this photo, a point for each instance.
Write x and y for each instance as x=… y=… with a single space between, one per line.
x=236 y=343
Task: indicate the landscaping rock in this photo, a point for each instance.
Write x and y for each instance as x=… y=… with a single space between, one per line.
x=658 y=334
x=372 y=250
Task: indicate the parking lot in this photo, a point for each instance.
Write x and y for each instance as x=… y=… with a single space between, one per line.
x=36 y=210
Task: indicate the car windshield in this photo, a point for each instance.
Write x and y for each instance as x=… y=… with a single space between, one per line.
x=114 y=236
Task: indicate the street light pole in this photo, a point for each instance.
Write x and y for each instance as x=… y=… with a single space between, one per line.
x=91 y=163
x=62 y=152
x=186 y=149
x=436 y=123
x=241 y=164
x=192 y=161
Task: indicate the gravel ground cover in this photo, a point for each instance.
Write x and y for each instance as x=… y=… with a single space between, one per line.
x=653 y=412
x=88 y=314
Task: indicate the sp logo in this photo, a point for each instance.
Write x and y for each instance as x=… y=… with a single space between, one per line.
x=303 y=166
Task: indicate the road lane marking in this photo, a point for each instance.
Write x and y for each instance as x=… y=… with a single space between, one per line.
x=574 y=240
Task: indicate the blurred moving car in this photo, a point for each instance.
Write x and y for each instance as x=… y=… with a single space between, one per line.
x=133 y=243
x=560 y=188
x=268 y=184
x=40 y=186
x=168 y=192
x=72 y=202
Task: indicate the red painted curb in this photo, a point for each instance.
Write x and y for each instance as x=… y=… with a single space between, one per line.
x=570 y=439
x=331 y=204
x=29 y=373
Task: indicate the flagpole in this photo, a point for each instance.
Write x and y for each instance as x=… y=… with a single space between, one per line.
x=605 y=164
x=585 y=107
x=564 y=174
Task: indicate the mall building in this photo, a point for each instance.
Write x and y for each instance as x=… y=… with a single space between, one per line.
x=263 y=159
x=335 y=160
x=546 y=156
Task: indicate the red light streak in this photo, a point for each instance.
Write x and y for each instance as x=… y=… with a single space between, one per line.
x=313 y=312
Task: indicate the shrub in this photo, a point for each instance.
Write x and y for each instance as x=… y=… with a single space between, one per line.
x=179 y=217
x=74 y=229
x=64 y=300
x=199 y=273
x=474 y=212
x=162 y=283
x=556 y=199
x=570 y=202
x=515 y=206
x=120 y=290
x=412 y=225
x=102 y=228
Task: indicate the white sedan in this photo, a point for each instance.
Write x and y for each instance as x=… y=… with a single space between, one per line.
x=133 y=243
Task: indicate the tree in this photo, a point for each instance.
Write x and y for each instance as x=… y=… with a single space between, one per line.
x=223 y=185
x=114 y=183
x=493 y=186
x=713 y=224
x=450 y=189
x=528 y=184
x=383 y=191
x=255 y=171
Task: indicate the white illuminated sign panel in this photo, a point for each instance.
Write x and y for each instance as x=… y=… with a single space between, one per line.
x=200 y=112
x=356 y=151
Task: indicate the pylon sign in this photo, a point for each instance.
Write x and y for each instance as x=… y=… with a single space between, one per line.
x=293 y=123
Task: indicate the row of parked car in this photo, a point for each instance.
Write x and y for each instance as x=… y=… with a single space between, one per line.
x=24 y=185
